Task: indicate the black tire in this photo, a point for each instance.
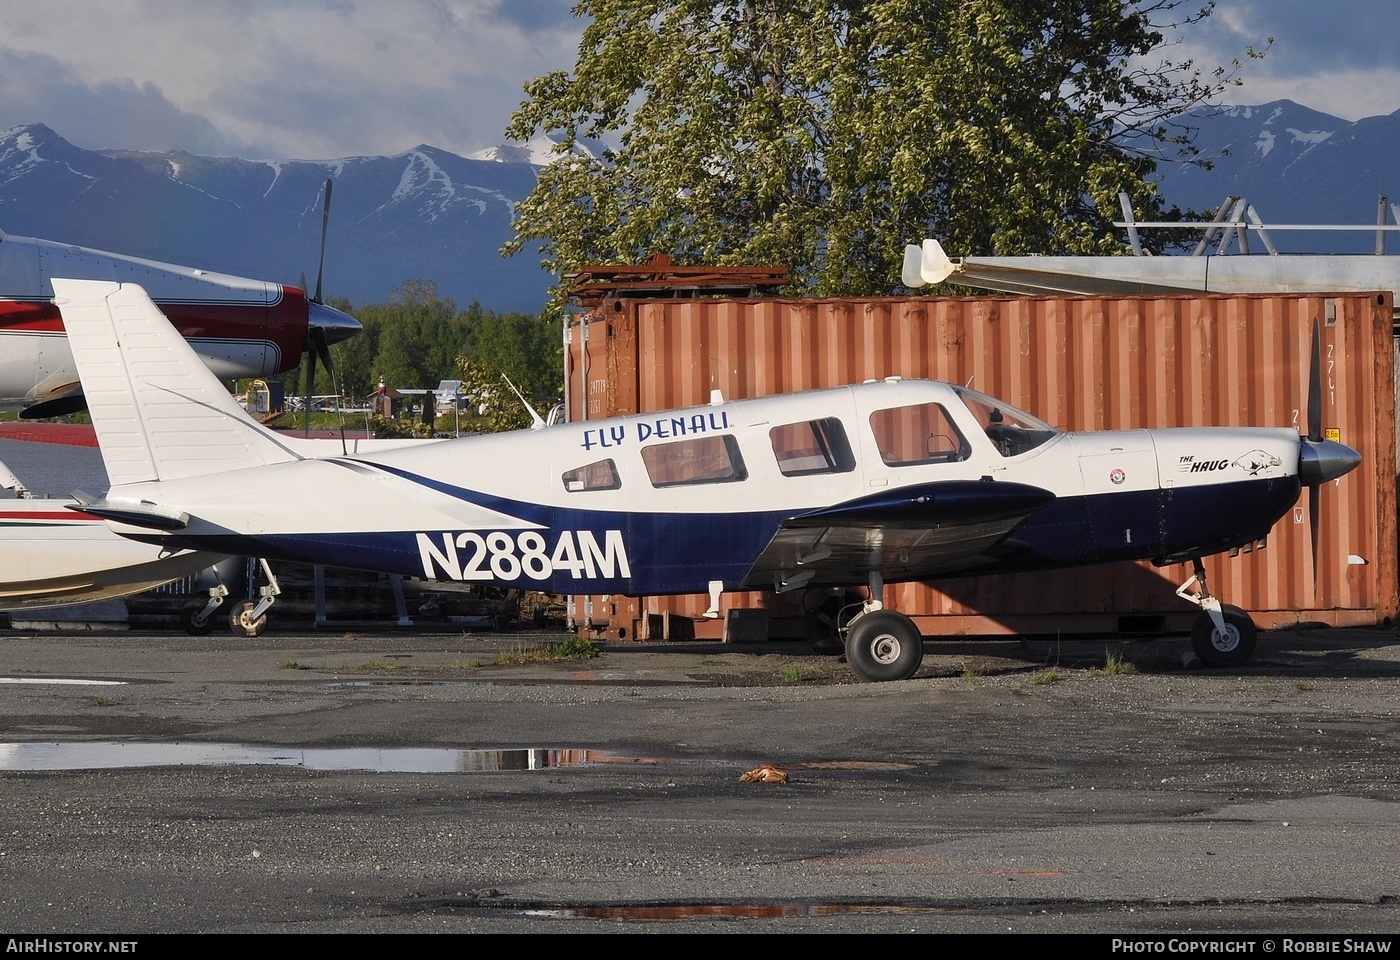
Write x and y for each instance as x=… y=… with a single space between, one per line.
x=192 y=626
x=884 y=645
x=1230 y=649
x=240 y=623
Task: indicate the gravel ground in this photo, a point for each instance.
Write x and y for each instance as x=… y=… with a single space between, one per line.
x=449 y=782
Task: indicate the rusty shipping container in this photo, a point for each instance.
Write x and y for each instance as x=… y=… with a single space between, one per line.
x=1082 y=363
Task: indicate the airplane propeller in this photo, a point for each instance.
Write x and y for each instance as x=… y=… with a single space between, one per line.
x=324 y=325
x=325 y=222
x=1319 y=459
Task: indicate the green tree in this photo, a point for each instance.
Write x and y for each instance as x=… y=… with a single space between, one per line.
x=524 y=348
x=826 y=134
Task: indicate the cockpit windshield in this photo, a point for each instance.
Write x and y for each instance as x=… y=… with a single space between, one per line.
x=1012 y=431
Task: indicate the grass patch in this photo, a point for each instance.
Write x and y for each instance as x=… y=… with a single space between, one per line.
x=570 y=649
x=971 y=675
x=100 y=702
x=575 y=648
x=382 y=665
x=792 y=674
x=1114 y=665
x=1048 y=677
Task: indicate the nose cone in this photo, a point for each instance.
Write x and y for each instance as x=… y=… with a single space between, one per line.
x=1323 y=460
x=335 y=324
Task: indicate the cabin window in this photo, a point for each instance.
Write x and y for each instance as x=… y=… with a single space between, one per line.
x=1012 y=431
x=812 y=447
x=923 y=433
x=712 y=459
x=600 y=475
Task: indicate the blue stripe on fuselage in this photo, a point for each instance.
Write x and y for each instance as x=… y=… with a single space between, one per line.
x=680 y=552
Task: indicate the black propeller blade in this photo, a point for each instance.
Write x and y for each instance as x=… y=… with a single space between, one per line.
x=316 y=345
x=1315 y=386
x=1315 y=433
x=1319 y=460
x=319 y=348
x=325 y=222
x=311 y=353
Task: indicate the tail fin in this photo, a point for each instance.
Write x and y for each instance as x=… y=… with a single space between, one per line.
x=159 y=412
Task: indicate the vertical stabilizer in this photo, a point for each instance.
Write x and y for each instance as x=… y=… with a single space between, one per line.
x=160 y=414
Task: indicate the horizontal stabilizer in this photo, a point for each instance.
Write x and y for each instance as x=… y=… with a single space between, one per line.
x=159 y=413
x=138 y=514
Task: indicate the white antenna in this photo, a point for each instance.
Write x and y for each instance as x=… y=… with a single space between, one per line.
x=537 y=422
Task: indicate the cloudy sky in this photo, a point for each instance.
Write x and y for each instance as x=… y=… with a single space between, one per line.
x=319 y=79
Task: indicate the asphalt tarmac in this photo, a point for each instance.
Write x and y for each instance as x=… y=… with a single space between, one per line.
x=414 y=782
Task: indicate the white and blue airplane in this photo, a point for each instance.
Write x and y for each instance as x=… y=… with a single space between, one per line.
x=887 y=481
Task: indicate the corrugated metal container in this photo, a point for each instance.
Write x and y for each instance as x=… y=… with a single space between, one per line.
x=1082 y=363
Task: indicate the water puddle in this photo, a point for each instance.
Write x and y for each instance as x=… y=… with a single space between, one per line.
x=106 y=755
x=63 y=681
x=580 y=678
x=120 y=754
x=732 y=911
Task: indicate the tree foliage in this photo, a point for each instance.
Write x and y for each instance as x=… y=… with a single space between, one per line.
x=417 y=339
x=825 y=134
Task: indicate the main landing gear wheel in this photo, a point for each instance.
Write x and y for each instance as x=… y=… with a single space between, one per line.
x=190 y=621
x=884 y=645
x=240 y=620
x=1228 y=649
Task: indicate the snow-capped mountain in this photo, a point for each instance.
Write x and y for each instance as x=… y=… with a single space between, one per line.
x=1294 y=165
x=432 y=214
x=422 y=213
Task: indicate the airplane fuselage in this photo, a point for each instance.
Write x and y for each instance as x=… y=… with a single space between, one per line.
x=239 y=327
x=813 y=489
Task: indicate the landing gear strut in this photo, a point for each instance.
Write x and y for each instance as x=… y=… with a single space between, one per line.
x=1223 y=635
x=882 y=644
x=196 y=618
x=249 y=619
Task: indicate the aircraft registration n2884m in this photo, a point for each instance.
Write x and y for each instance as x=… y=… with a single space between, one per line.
x=856 y=486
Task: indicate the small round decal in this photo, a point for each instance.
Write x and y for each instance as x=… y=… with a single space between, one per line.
x=1117 y=476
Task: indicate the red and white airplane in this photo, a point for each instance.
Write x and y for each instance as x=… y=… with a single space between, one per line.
x=239 y=327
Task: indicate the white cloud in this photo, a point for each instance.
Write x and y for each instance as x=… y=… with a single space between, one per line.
x=295 y=79
x=36 y=88
x=1334 y=57
x=332 y=78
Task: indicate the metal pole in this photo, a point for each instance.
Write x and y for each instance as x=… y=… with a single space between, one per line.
x=1221 y=213
x=1380 y=222
x=1133 y=239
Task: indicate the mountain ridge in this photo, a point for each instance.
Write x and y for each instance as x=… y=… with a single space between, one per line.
x=428 y=213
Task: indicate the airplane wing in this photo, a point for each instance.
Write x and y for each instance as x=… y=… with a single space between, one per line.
x=929 y=530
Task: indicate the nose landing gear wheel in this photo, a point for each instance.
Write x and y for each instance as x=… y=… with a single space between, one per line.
x=1228 y=649
x=241 y=622
x=884 y=645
